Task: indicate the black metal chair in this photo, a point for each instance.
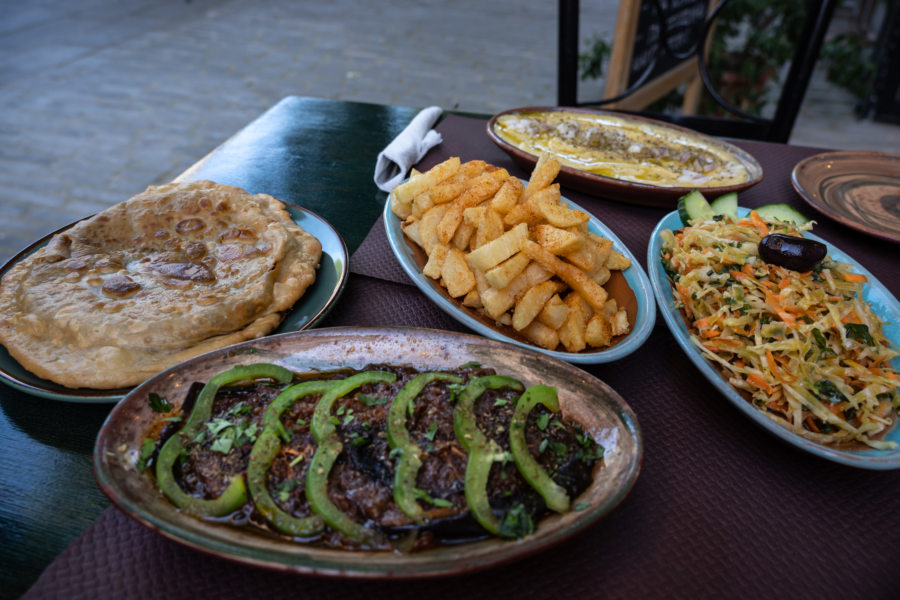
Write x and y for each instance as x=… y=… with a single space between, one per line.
x=746 y=125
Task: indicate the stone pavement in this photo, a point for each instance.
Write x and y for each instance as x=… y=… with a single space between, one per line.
x=100 y=98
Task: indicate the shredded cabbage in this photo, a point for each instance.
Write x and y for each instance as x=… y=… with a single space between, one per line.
x=805 y=347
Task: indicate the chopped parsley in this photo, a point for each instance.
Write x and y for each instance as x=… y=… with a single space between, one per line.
x=147 y=450
x=859 y=332
x=283 y=490
x=227 y=433
x=517 y=522
x=821 y=343
x=369 y=400
x=158 y=403
x=826 y=390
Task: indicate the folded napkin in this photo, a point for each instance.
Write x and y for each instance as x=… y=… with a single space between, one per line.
x=408 y=148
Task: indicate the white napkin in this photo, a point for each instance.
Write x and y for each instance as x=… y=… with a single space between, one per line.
x=408 y=148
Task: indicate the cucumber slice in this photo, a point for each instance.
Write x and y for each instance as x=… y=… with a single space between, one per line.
x=726 y=204
x=782 y=212
x=694 y=207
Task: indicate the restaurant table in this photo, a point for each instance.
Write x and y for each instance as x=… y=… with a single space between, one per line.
x=721 y=508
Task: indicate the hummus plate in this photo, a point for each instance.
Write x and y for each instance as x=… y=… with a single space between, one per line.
x=624 y=157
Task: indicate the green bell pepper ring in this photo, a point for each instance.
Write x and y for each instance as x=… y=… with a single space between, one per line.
x=266 y=448
x=553 y=494
x=272 y=417
x=329 y=449
x=235 y=495
x=410 y=455
x=483 y=452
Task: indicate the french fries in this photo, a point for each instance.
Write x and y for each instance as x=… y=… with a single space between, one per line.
x=517 y=253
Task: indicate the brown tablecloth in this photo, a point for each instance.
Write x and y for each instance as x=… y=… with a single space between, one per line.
x=721 y=507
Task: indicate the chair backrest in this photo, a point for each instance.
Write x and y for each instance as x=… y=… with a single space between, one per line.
x=749 y=126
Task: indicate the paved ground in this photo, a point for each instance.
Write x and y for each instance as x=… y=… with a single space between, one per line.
x=100 y=98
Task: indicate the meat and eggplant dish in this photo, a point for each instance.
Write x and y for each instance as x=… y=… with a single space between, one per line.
x=382 y=458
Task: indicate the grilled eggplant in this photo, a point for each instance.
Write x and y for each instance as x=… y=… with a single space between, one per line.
x=386 y=457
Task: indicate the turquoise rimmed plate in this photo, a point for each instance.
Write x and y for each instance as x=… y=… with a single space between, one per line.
x=883 y=303
x=631 y=288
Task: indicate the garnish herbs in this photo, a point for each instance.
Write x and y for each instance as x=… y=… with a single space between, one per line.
x=147 y=450
x=859 y=332
x=158 y=403
x=369 y=400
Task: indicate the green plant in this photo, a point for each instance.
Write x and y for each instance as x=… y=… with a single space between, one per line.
x=850 y=63
x=752 y=42
x=590 y=64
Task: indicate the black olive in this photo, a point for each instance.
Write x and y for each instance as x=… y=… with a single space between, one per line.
x=792 y=252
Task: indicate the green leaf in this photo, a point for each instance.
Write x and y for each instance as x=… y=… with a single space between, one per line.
x=222 y=444
x=821 y=342
x=158 y=403
x=859 y=332
x=371 y=400
x=517 y=522
x=828 y=391
x=147 y=450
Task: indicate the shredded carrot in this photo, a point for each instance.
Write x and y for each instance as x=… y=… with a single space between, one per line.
x=757 y=380
x=685 y=296
x=835 y=408
x=810 y=422
x=740 y=276
x=855 y=277
x=778 y=405
x=759 y=223
x=774 y=301
x=850 y=317
x=773 y=366
x=702 y=323
x=711 y=333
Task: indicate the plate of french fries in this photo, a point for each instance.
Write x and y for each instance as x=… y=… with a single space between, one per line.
x=517 y=262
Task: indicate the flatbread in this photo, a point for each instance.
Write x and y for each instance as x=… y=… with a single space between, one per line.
x=176 y=271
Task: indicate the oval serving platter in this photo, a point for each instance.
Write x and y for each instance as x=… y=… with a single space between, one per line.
x=631 y=289
x=622 y=190
x=584 y=398
x=312 y=307
x=883 y=303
